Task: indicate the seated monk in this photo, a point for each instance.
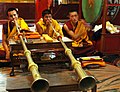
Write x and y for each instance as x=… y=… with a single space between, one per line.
x=77 y=31
x=46 y=24
x=9 y=29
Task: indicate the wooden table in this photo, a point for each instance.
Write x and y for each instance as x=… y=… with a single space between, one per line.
x=65 y=80
x=42 y=51
x=61 y=79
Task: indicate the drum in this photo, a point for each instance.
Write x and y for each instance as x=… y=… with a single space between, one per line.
x=92 y=10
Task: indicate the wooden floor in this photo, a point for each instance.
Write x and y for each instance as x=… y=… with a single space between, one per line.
x=108 y=78
x=4 y=73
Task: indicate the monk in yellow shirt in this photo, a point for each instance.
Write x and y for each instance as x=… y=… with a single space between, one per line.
x=9 y=28
x=45 y=24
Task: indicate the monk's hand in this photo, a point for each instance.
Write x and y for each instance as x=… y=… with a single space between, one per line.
x=48 y=22
x=8 y=55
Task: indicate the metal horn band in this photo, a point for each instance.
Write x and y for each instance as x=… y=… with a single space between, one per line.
x=39 y=84
x=85 y=82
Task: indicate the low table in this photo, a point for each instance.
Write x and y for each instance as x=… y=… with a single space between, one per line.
x=60 y=79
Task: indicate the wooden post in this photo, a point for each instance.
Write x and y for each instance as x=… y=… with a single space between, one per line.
x=80 y=9
x=104 y=16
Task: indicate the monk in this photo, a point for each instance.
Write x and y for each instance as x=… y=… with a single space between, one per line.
x=9 y=29
x=77 y=30
x=46 y=24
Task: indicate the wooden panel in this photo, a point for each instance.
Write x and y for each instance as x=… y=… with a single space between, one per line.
x=116 y=21
x=2 y=11
x=111 y=43
x=61 y=11
x=26 y=10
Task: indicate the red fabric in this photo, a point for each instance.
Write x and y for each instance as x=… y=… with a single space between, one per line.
x=40 y=6
x=82 y=51
x=68 y=23
x=2 y=54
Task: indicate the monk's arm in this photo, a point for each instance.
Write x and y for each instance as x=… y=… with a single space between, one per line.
x=5 y=46
x=71 y=33
x=39 y=29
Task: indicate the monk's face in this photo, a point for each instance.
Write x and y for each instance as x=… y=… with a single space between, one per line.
x=47 y=19
x=73 y=16
x=12 y=15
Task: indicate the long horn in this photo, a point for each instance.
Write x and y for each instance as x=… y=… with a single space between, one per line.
x=39 y=84
x=85 y=82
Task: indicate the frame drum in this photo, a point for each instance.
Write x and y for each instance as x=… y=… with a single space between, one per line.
x=92 y=10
